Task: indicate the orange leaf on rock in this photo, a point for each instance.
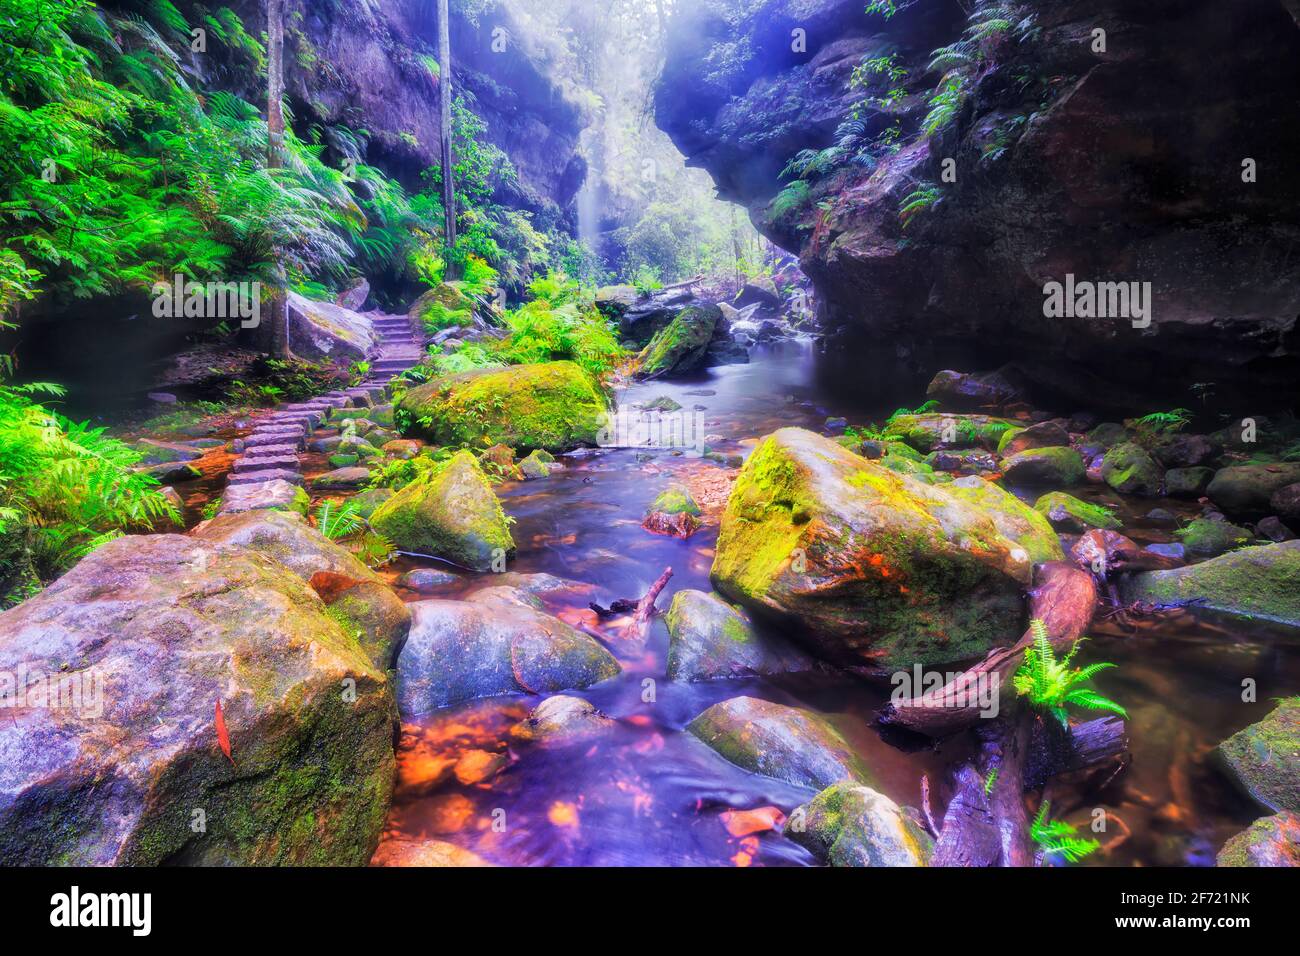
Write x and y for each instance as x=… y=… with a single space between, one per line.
x=223 y=738
x=741 y=823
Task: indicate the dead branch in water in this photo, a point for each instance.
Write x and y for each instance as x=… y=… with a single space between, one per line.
x=642 y=609
x=1064 y=599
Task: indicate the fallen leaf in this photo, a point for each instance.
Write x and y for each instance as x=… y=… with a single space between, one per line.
x=741 y=823
x=223 y=738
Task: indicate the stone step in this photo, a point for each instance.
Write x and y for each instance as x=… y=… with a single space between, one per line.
x=272 y=451
x=274 y=462
x=279 y=436
x=265 y=474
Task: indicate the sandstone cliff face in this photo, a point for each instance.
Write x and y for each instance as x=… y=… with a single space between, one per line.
x=1123 y=165
x=365 y=66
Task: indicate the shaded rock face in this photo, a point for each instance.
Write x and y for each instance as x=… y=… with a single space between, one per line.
x=867 y=566
x=498 y=641
x=1130 y=172
x=376 y=74
x=1264 y=759
x=166 y=626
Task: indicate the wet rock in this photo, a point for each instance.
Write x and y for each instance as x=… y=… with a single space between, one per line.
x=355 y=596
x=1274 y=530
x=1041 y=435
x=367 y=502
x=171 y=625
x=171 y=473
x=1188 y=482
x=1186 y=451
x=425 y=853
x=1264 y=759
x=673 y=512
x=1107 y=435
x=165 y=452
x=1257 y=582
x=760 y=291
x=679 y=347
x=1171 y=550
x=848 y=824
x=1285 y=501
x=661 y=404
x=1012 y=517
x=1247 y=490
x=836 y=424
x=325 y=331
x=708 y=639
x=536 y=465
x=562 y=720
x=452 y=514
x=426 y=580
x=1269 y=841
x=1068 y=513
x=538 y=583
x=1044 y=467
x=269 y=495
x=1131 y=471
x=787 y=743
x=1206 y=538
x=927 y=432
x=342 y=479
x=1161 y=516
x=866 y=565
x=494 y=642
x=552 y=405
x=964 y=390
x=402 y=449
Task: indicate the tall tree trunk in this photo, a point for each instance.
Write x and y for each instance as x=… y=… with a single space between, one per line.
x=279 y=306
x=448 y=177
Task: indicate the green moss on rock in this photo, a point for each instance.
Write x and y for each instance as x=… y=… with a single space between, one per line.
x=1264 y=759
x=1258 y=582
x=680 y=345
x=848 y=824
x=1130 y=470
x=1012 y=517
x=1069 y=513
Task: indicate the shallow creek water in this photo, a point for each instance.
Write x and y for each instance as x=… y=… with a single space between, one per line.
x=649 y=794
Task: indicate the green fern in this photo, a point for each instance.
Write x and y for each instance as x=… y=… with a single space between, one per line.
x=335 y=522
x=1057 y=838
x=1051 y=684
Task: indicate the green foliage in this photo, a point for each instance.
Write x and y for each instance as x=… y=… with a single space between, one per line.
x=918 y=200
x=789 y=202
x=1057 y=838
x=374 y=550
x=278 y=380
x=647 y=279
x=1164 y=423
x=336 y=521
x=1052 y=685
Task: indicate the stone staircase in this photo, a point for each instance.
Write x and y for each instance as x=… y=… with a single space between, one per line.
x=268 y=470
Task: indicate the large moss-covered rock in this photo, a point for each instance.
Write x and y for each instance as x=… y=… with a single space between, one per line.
x=551 y=405
x=1188 y=482
x=356 y=597
x=1247 y=489
x=451 y=514
x=1053 y=467
x=1011 y=516
x=1040 y=435
x=1131 y=471
x=1258 y=582
x=1068 y=513
x=928 y=431
x=1207 y=538
x=1264 y=759
x=866 y=565
x=709 y=639
x=497 y=641
x=777 y=741
x=848 y=824
x=1269 y=841
x=325 y=331
x=679 y=346
x=158 y=629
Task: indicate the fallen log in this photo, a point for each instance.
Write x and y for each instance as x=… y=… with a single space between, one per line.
x=1064 y=599
x=1082 y=747
x=646 y=606
x=1109 y=552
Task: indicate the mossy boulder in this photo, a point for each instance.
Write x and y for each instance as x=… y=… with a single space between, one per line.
x=274 y=495
x=1131 y=471
x=562 y=720
x=786 y=743
x=673 y=512
x=1107 y=435
x=1053 y=467
x=709 y=639
x=1259 y=582
x=1011 y=516
x=1207 y=538
x=1068 y=513
x=552 y=405
x=446 y=297
x=1269 y=841
x=159 y=629
x=1188 y=482
x=452 y=514
x=536 y=465
x=497 y=641
x=679 y=347
x=367 y=502
x=354 y=595
x=928 y=431
x=848 y=824
x=1264 y=759
x=1247 y=489
x=867 y=566
x=348 y=478
x=1040 y=435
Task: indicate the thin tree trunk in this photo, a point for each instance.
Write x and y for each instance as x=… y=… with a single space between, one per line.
x=448 y=177
x=279 y=306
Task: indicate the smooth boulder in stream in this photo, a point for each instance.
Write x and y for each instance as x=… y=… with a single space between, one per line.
x=1264 y=758
x=848 y=824
x=1261 y=581
x=709 y=639
x=864 y=565
x=154 y=631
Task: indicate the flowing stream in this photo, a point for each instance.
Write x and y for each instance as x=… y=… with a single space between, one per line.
x=648 y=793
